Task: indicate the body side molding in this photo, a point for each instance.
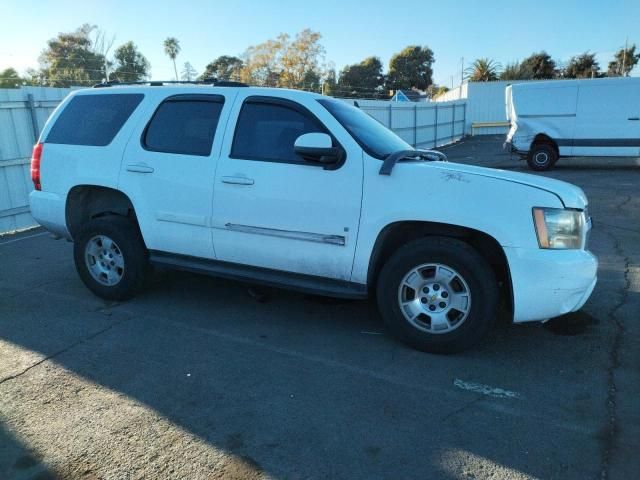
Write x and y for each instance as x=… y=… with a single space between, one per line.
x=292 y=234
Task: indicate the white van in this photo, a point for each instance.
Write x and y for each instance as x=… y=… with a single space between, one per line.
x=563 y=118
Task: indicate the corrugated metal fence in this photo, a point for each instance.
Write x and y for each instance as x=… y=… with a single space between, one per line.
x=24 y=111
x=421 y=124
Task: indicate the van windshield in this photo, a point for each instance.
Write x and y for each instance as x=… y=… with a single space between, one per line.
x=376 y=139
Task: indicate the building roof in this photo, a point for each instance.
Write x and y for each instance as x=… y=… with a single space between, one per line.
x=408 y=96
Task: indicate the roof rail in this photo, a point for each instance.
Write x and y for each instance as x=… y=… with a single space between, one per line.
x=214 y=82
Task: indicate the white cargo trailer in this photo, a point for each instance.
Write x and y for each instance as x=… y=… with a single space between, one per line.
x=564 y=118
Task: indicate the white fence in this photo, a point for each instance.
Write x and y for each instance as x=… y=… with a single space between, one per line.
x=24 y=111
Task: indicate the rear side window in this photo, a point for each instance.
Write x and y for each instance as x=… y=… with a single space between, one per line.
x=93 y=119
x=184 y=125
x=267 y=131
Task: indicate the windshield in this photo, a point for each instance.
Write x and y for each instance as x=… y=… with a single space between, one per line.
x=376 y=139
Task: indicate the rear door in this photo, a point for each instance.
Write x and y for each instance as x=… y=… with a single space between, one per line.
x=168 y=171
x=608 y=119
x=274 y=210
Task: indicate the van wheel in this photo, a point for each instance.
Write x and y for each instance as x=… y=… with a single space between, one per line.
x=110 y=257
x=542 y=157
x=438 y=295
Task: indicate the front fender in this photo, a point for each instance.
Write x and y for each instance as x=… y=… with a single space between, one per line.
x=424 y=192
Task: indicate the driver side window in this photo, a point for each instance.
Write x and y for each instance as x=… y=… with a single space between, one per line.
x=268 y=130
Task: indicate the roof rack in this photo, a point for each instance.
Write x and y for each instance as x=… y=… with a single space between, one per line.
x=214 y=82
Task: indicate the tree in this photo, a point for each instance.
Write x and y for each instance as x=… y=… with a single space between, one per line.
x=101 y=45
x=538 y=66
x=362 y=79
x=300 y=60
x=172 y=49
x=70 y=60
x=188 y=72
x=434 y=91
x=483 y=70
x=582 y=66
x=284 y=62
x=623 y=62
x=411 y=68
x=130 y=65
x=9 y=78
x=262 y=62
x=35 y=77
x=330 y=82
x=223 y=68
x=512 y=71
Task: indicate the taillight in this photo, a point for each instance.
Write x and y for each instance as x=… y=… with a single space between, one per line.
x=36 y=156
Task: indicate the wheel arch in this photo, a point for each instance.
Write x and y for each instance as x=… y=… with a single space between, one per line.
x=544 y=139
x=85 y=202
x=397 y=234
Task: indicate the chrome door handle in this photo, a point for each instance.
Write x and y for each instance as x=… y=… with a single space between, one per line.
x=238 y=180
x=139 y=168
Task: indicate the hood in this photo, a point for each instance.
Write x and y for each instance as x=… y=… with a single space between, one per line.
x=570 y=195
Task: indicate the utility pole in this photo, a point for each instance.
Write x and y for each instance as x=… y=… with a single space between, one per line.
x=624 y=56
x=461 y=71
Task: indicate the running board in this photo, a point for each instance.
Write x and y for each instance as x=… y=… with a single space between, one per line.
x=263 y=276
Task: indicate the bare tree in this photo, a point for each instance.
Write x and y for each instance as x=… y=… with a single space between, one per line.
x=188 y=72
x=101 y=44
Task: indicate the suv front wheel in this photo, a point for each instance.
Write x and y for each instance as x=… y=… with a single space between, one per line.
x=110 y=257
x=438 y=295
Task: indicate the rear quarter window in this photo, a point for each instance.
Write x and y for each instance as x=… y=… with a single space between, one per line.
x=93 y=119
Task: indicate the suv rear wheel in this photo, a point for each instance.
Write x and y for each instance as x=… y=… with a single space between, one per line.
x=438 y=295
x=110 y=257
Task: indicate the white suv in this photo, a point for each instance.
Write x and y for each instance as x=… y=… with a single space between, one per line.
x=303 y=191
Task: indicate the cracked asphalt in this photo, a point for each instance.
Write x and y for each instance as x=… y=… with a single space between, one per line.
x=196 y=379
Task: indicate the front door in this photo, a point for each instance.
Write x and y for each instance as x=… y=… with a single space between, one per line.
x=274 y=210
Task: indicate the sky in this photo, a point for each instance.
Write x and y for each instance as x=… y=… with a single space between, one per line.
x=351 y=30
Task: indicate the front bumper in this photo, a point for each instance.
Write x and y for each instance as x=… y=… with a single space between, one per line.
x=509 y=146
x=550 y=283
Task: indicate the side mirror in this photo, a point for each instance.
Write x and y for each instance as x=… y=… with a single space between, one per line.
x=317 y=148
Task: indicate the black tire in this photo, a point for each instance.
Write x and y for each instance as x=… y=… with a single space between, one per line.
x=126 y=235
x=542 y=157
x=462 y=258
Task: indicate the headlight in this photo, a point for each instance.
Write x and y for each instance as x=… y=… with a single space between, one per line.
x=559 y=228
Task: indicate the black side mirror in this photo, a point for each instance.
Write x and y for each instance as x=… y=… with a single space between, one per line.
x=317 y=148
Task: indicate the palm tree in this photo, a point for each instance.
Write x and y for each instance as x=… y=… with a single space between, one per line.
x=172 y=49
x=483 y=70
